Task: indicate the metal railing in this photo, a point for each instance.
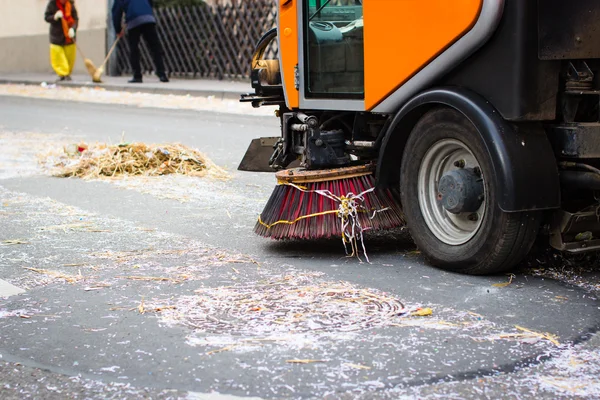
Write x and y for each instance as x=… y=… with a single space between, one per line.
x=207 y=41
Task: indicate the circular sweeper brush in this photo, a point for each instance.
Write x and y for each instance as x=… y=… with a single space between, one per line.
x=323 y=203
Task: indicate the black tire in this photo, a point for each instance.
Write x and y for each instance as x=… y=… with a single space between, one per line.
x=501 y=239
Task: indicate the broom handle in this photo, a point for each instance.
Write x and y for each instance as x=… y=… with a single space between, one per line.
x=114 y=46
x=64 y=24
x=79 y=51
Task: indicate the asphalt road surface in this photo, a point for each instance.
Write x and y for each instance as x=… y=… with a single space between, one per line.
x=157 y=287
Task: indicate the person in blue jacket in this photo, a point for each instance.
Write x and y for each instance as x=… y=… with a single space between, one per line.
x=140 y=20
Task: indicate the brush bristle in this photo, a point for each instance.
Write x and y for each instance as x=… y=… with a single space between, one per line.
x=288 y=203
x=96 y=76
x=91 y=68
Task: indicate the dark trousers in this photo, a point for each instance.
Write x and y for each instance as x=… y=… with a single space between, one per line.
x=148 y=31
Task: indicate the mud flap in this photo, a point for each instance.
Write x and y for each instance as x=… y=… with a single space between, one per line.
x=258 y=154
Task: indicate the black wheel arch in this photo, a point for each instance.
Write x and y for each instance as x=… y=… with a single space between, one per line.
x=522 y=157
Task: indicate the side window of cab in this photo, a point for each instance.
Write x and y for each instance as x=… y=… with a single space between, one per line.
x=334 y=49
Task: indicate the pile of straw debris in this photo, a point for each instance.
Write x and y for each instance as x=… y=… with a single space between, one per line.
x=131 y=159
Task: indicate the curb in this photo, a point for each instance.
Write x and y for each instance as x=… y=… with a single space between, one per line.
x=218 y=94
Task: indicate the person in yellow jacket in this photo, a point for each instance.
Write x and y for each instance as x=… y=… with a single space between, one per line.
x=63 y=19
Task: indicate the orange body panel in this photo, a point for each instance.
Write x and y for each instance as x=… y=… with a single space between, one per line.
x=402 y=36
x=288 y=39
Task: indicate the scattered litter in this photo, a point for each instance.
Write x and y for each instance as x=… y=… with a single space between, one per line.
x=13 y=242
x=578 y=269
x=530 y=336
x=573 y=372
x=422 y=312
x=80 y=226
x=96 y=287
x=114 y=368
x=440 y=325
x=182 y=278
x=563 y=385
x=304 y=361
x=505 y=284
x=160 y=309
x=141 y=308
x=286 y=303
x=222 y=350
x=94 y=329
x=243 y=260
x=99 y=95
x=123 y=308
x=56 y=274
x=46 y=85
x=356 y=366
x=547 y=336
x=14 y=313
x=474 y=314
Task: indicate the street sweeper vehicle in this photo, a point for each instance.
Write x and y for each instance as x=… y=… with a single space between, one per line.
x=474 y=122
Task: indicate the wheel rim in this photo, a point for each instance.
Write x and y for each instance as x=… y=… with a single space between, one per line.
x=451 y=229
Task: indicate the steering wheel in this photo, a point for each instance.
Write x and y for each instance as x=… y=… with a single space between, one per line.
x=322 y=25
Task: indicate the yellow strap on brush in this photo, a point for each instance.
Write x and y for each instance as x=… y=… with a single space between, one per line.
x=269 y=226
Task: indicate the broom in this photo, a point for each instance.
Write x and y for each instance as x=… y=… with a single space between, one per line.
x=89 y=65
x=96 y=77
x=324 y=203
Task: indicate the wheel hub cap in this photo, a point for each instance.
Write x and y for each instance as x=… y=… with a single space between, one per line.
x=452 y=192
x=460 y=191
